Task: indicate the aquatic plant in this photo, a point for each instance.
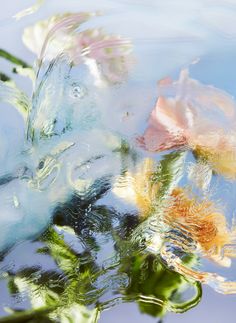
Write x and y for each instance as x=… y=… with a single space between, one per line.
x=178 y=225
x=76 y=184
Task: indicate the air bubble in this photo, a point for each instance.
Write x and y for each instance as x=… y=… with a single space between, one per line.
x=78 y=91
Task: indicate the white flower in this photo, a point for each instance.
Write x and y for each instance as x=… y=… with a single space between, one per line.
x=107 y=56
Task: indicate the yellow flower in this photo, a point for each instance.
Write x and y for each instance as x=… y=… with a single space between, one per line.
x=222 y=161
x=139 y=188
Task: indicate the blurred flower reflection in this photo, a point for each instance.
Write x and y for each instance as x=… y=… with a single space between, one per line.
x=107 y=56
x=190 y=115
x=63 y=185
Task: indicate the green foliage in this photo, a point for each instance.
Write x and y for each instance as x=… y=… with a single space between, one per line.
x=63 y=295
x=13 y=59
x=155 y=287
x=169 y=172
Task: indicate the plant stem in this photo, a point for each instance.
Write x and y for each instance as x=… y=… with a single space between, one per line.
x=25 y=316
x=13 y=59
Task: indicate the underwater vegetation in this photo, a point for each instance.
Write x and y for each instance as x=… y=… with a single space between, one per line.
x=112 y=201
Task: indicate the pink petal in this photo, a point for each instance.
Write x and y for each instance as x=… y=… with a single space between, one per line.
x=67 y=24
x=168 y=126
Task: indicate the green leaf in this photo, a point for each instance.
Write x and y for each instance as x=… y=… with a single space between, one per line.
x=169 y=172
x=35 y=315
x=11 y=94
x=13 y=59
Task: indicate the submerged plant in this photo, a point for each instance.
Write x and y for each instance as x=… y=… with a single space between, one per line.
x=178 y=225
x=57 y=174
x=60 y=183
x=52 y=161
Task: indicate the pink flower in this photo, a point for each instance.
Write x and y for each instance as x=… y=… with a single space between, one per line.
x=199 y=117
x=107 y=56
x=168 y=126
x=179 y=120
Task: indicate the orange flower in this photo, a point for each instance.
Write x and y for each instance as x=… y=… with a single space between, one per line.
x=180 y=222
x=197 y=220
x=203 y=223
x=196 y=227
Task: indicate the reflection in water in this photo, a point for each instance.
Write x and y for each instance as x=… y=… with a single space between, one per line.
x=119 y=224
